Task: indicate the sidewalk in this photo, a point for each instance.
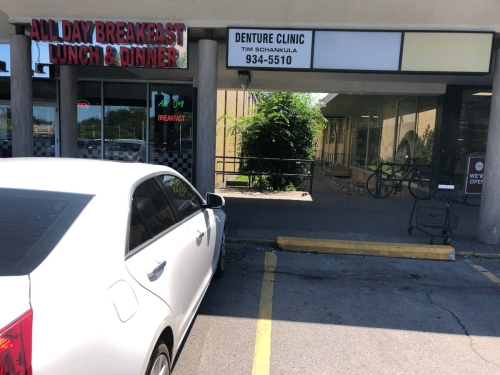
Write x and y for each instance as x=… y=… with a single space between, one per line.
x=332 y=214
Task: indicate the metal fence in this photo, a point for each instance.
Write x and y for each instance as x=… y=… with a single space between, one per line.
x=255 y=168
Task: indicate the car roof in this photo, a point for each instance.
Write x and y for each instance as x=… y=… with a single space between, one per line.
x=85 y=176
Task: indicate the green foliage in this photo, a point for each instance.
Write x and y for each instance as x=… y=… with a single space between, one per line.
x=285 y=126
x=424 y=145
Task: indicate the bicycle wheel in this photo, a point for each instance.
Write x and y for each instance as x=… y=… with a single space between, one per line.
x=422 y=185
x=380 y=185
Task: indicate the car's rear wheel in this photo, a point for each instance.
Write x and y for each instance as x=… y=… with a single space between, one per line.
x=222 y=257
x=159 y=364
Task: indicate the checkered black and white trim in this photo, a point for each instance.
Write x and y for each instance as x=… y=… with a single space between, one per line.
x=90 y=153
x=181 y=162
x=42 y=147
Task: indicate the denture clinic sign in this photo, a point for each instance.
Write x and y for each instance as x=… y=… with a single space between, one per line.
x=99 y=43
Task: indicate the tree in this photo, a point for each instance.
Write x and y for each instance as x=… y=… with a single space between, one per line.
x=284 y=126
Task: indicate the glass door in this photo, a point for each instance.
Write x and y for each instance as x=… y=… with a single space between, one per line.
x=44 y=130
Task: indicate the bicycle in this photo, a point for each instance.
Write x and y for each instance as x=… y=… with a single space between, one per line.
x=381 y=184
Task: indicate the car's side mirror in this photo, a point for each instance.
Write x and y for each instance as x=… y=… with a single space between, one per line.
x=215 y=201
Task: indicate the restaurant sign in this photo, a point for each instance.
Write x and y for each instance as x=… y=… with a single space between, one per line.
x=99 y=43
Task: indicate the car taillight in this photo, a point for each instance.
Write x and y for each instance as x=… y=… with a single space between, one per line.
x=15 y=346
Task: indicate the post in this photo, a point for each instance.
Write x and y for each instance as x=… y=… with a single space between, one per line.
x=207 y=112
x=68 y=125
x=21 y=91
x=489 y=213
x=312 y=178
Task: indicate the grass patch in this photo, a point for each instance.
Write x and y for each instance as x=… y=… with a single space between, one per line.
x=241 y=178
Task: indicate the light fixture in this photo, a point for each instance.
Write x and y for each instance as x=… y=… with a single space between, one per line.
x=483 y=93
x=39 y=68
x=3 y=67
x=245 y=79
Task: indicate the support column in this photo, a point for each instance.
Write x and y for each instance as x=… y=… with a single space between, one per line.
x=489 y=213
x=21 y=93
x=206 y=116
x=67 y=109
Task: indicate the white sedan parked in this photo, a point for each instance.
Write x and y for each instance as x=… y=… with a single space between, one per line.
x=102 y=265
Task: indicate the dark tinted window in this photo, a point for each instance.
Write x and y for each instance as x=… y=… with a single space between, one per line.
x=31 y=225
x=153 y=207
x=185 y=198
x=138 y=233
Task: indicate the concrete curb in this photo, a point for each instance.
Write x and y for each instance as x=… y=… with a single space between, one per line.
x=477 y=255
x=380 y=249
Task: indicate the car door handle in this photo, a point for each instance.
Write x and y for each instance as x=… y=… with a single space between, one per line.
x=200 y=234
x=157 y=269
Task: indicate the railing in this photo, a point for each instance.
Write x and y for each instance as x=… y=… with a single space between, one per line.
x=254 y=167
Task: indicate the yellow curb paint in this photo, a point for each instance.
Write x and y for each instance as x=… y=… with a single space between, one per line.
x=380 y=249
x=262 y=354
x=477 y=255
x=485 y=272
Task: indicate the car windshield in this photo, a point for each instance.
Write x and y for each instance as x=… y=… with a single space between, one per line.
x=31 y=225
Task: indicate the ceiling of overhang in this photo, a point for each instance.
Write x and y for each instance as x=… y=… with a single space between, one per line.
x=463 y=14
x=345 y=105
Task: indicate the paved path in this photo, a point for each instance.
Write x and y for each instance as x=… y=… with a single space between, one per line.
x=330 y=213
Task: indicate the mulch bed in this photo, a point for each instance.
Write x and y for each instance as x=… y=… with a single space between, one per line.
x=349 y=186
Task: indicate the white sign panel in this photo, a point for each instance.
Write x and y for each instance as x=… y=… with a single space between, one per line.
x=269 y=48
x=357 y=50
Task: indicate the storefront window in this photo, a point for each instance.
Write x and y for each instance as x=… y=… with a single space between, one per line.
x=388 y=114
x=374 y=140
x=426 y=123
x=171 y=127
x=89 y=118
x=406 y=129
x=5 y=131
x=362 y=139
x=125 y=122
x=473 y=129
x=44 y=119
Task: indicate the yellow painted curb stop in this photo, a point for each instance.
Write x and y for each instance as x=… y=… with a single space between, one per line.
x=378 y=249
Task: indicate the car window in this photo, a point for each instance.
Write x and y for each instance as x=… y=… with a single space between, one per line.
x=32 y=223
x=185 y=198
x=153 y=207
x=138 y=233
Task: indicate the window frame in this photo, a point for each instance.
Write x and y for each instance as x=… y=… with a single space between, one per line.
x=203 y=207
x=153 y=239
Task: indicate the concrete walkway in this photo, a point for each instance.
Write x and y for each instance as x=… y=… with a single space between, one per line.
x=331 y=214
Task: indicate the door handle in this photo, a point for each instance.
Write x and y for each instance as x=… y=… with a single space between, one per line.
x=157 y=269
x=200 y=234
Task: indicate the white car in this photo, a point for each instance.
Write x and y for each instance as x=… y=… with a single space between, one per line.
x=102 y=265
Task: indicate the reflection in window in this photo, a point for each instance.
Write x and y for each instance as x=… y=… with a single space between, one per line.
x=362 y=139
x=89 y=120
x=5 y=131
x=153 y=207
x=374 y=140
x=426 y=123
x=388 y=119
x=185 y=198
x=406 y=129
x=125 y=122
x=138 y=233
x=44 y=130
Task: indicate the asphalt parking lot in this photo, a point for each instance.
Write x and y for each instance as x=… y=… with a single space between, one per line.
x=333 y=314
